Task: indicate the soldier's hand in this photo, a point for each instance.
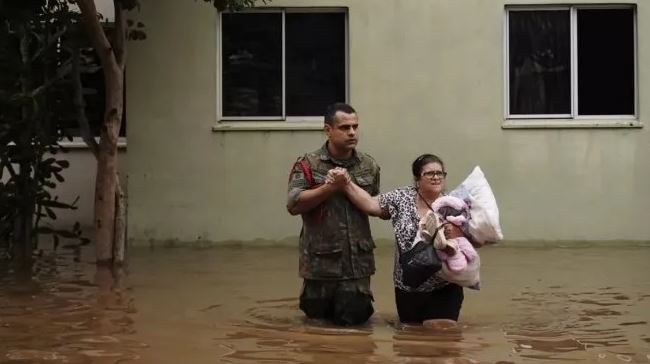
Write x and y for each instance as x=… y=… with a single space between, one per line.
x=332 y=175
x=338 y=177
x=329 y=179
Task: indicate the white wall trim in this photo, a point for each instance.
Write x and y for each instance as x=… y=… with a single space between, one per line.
x=571 y=123
x=267 y=125
x=78 y=143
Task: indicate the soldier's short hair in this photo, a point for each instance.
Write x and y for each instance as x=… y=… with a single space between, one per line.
x=330 y=112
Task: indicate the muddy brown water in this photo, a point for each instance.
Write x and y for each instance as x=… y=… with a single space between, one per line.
x=238 y=304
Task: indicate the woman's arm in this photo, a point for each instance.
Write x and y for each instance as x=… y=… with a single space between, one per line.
x=363 y=201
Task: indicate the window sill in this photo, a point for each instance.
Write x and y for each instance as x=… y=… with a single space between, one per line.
x=223 y=126
x=78 y=143
x=570 y=123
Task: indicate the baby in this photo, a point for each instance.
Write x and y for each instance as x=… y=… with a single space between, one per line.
x=460 y=260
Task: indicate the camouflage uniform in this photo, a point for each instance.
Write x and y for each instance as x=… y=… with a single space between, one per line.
x=336 y=247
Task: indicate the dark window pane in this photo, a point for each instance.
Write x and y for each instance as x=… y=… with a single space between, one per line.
x=315 y=62
x=252 y=64
x=540 y=67
x=606 y=62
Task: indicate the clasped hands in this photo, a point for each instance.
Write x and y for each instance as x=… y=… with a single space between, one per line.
x=338 y=177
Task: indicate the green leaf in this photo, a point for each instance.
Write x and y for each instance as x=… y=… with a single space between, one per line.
x=55 y=204
x=50 y=213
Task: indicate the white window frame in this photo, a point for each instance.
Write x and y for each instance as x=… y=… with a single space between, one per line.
x=574 y=119
x=283 y=121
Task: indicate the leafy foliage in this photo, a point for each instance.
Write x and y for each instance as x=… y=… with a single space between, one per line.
x=35 y=113
x=233 y=5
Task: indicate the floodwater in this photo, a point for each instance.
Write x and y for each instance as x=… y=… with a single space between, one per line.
x=238 y=304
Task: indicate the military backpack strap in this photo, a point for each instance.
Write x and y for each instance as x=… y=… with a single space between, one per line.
x=301 y=163
x=306 y=171
x=318 y=213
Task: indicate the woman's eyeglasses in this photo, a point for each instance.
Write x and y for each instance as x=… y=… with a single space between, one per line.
x=434 y=174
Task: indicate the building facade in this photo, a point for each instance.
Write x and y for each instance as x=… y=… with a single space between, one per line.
x=548 y=97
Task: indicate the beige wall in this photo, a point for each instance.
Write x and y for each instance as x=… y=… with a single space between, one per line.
x=425 y=76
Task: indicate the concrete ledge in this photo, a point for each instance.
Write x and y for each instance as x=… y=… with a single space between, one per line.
x=78 y=143
x=570 y=124
x=266 y=125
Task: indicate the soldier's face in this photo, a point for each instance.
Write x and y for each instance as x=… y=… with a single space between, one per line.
x=343 y=134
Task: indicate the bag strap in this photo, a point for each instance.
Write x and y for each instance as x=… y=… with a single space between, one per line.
x=424 y=199
x=419 y=247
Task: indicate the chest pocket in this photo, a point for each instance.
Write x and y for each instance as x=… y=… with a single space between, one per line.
x=365 y=180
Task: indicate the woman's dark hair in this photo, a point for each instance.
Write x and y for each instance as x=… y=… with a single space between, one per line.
x=422 y=161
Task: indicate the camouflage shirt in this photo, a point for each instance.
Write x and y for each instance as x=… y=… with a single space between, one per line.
x=335 y=240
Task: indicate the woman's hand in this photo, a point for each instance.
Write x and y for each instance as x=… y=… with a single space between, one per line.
x=452 y=231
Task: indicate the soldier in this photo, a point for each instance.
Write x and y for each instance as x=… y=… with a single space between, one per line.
x=336 y=248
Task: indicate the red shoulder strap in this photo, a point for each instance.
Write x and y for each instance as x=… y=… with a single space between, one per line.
x=307 y=172
x=318 y=213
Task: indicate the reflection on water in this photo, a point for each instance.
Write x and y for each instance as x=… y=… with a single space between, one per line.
x=239 y=305
x=65 y=312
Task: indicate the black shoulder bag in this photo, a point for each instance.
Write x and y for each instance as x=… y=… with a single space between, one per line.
x=420 y=262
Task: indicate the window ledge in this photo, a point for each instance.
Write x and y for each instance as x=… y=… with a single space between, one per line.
x=570 y=124
x=266 y=125
x=78 y=143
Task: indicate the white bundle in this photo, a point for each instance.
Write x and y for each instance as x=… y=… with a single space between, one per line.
x=484 y=213
x=469 y=277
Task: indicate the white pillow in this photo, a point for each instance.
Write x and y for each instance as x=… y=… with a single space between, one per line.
x=484 y=214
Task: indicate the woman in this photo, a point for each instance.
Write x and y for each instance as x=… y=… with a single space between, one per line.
x=435 y=298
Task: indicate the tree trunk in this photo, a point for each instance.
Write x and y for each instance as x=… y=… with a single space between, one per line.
x=119 y=248
x=119 y=238
x=112 y=58
x=107 y=165
x=105 y=200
